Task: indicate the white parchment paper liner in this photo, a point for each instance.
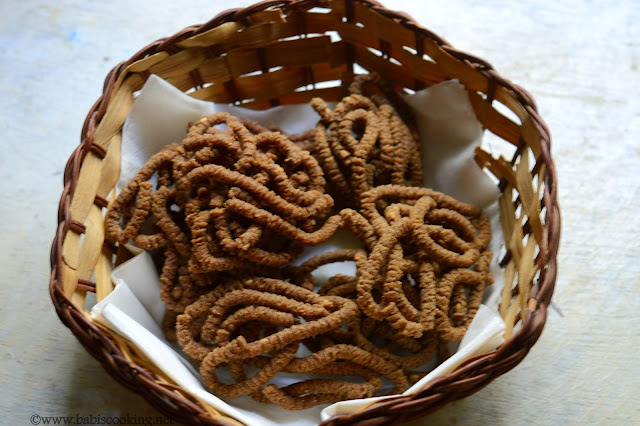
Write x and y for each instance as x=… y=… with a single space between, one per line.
x=159 y=116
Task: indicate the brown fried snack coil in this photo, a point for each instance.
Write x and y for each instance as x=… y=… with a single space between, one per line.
x=364 y=143
x=231 y=194
x=190 y=223
x=229 y=307
x=179 y=287
x=420 y=232
x=262 y=291
x=298 y=201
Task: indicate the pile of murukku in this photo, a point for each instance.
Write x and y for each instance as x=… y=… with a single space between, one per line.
x=227 y=212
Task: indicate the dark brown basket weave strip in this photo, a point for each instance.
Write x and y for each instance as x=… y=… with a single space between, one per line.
x=67 y=290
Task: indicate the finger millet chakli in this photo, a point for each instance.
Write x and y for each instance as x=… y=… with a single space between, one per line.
x=236 y=202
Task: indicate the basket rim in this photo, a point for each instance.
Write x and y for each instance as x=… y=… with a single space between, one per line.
x=483 y=369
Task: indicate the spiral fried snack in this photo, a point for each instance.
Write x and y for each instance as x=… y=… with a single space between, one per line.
x=280 y=316
x=422 y=236
x=227 y=199
x=364 y=142
x=179 y=287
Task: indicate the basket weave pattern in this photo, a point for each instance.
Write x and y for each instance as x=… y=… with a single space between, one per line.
x=276 y=53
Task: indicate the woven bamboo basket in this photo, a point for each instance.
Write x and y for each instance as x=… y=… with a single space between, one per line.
x=278 y=52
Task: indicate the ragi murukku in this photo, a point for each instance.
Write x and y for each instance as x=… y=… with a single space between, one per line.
x=227 y=211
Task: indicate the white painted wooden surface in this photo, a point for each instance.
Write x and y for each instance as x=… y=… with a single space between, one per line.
x=578 y=58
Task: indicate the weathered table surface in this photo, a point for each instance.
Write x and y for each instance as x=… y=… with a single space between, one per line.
x=579 y=59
